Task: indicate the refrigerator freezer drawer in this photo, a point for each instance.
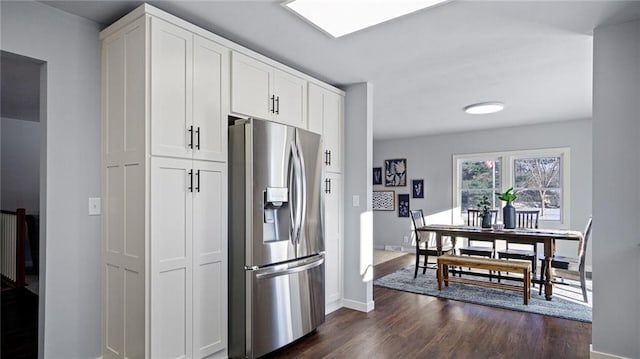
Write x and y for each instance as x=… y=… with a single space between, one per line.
x=286 y=305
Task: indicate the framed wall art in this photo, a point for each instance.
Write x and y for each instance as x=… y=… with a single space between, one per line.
x=377 y=175
x=403 y=205
x=395 y=172
x=384 y=200
x=417 y=187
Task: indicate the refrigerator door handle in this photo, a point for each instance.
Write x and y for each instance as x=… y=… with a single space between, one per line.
x=303 y=187
x=293 y=195
x=297 y=269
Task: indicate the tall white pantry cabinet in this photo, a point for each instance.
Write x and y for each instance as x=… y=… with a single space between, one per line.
x=168 y=88
x=165 y=107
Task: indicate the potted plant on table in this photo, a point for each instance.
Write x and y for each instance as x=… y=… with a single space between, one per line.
x=485 y=206
x=508 y=211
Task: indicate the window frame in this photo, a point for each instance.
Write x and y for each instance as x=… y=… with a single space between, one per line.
x=507 y=178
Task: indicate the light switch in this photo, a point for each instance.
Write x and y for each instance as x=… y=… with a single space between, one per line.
x=94 y=206
x=356 y=201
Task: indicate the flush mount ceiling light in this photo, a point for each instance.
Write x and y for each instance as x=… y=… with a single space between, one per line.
x=484 y=108
x=341 y=17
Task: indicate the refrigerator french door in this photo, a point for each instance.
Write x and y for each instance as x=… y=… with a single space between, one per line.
x=276 y=240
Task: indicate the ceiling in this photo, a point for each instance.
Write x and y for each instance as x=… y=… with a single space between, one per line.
x=535 y=56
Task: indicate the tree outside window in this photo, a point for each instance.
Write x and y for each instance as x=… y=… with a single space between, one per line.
x=538 y=185
x=479 y=178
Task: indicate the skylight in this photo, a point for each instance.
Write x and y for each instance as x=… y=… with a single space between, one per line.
x=341 y=17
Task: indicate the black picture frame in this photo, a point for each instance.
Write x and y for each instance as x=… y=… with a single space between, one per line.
x=377 y=175
x=403 y=205
x=417 y=188
x=395 y=172
x=384 y=200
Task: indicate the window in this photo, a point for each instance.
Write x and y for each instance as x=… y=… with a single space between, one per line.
x=479 y=178
x=539 y=178
x=537 y=185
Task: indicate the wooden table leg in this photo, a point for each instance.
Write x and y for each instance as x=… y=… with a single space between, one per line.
x=439 y=275
x=548 y=285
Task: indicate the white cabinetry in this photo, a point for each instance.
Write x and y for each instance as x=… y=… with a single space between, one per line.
x=325 y=117
x=263 y=91
x=333 y=240
x=165 y=106
x=189 y=74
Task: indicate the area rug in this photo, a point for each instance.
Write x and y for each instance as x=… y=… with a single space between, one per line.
x=428 y=285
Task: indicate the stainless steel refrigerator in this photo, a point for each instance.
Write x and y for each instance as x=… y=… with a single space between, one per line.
x=276 y=239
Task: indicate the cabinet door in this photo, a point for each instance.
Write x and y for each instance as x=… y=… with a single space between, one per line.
x=171 y=87
x=290 y=100
x=332 y=132
x=250 y=87
x=210 y=99
x=333 y=238
x=210 y=259
x=314 y=108
x=171 y=258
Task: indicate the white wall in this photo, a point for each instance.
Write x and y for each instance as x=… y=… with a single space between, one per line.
x=20 y=165
x=616 y=190
x=72 y=282
x=430 y=158
x=358 y=241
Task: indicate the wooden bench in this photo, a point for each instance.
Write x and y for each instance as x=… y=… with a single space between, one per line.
x=491 y=264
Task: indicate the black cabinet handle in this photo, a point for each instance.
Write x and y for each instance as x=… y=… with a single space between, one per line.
x=273 y=104
x=278 y=105
x=327 y=185
x=191 y=137
x=190 y=181
x=198 y=133
x=198 y=182
x=327 y=159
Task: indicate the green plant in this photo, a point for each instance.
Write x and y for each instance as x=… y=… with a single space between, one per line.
x=508 y=196
x=484 y=204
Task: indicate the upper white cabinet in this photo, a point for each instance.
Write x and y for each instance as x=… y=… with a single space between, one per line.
x=325 y=117
x=263 y=91
x=189 y=74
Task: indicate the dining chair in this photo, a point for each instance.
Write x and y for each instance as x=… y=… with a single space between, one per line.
x=423 y=245
x=566 y=267
x=475 y=246
x=524 y=219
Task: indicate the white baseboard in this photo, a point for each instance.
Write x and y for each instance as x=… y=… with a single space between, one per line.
x=600 y=355
x=333 y=306
x=359 y=306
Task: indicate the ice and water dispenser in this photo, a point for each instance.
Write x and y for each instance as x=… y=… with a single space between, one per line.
x=276 y=214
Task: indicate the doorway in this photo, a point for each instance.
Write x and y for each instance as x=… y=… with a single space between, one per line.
x=22 y=164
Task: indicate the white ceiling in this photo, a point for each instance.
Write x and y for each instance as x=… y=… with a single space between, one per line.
x=535 y=56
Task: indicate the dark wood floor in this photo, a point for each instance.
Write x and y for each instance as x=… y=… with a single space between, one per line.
x=19 y=328
x=406 y=325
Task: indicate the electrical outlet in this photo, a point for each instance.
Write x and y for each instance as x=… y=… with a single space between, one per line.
x=406 y=239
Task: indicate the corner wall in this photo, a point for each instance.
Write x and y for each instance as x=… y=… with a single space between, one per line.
x=358 y=238
x=431 y=158
x=616 y=190
x=71 y=287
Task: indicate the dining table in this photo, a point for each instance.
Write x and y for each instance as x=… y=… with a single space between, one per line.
x=547 y=237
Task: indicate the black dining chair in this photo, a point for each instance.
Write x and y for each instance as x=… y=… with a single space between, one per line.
x=524 y=219
x=423 y=247
x=475 y=246
x=569 y=267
